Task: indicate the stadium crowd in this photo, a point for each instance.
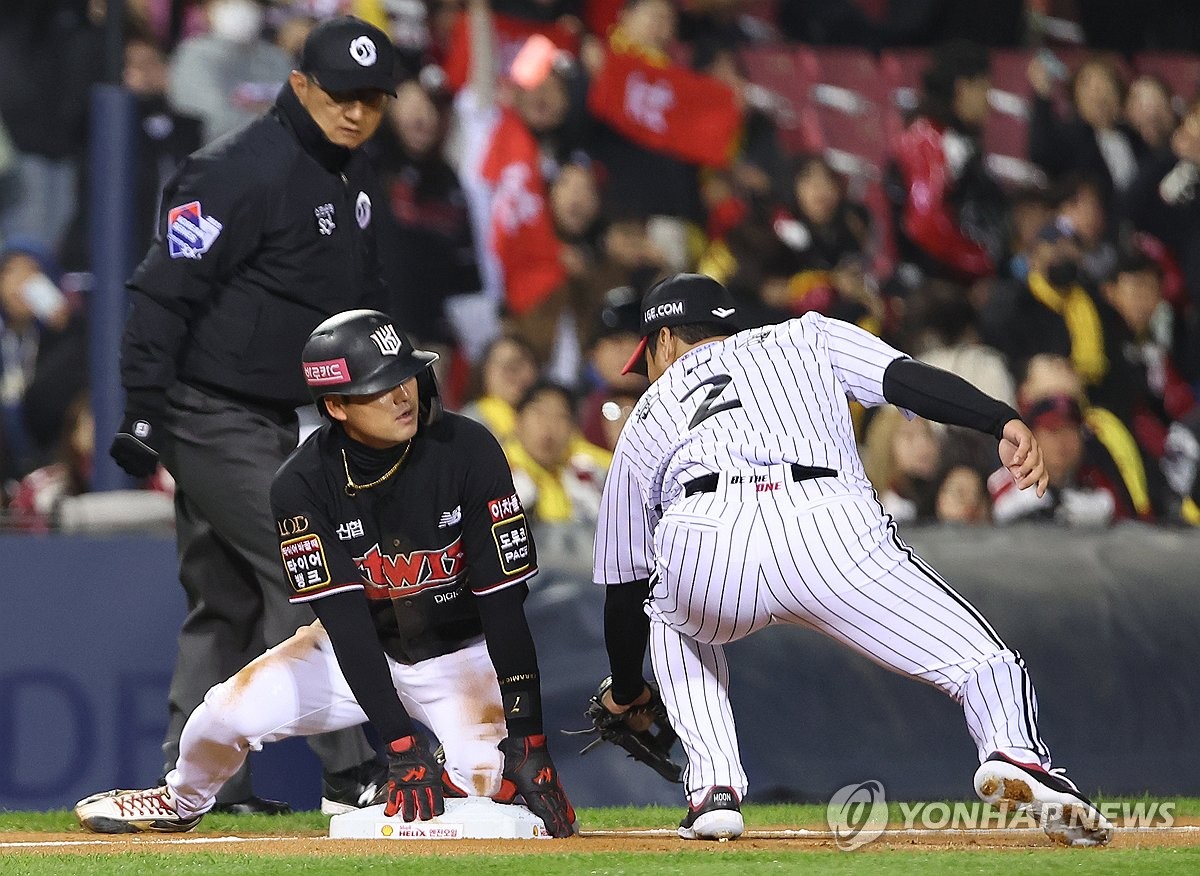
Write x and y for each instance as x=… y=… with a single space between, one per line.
x=1008 y=190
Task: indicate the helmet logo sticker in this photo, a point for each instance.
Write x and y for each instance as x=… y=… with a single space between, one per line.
x=386 y=340
x=326 y=373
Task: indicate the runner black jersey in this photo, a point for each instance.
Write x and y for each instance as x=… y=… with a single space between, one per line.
x=446 y=527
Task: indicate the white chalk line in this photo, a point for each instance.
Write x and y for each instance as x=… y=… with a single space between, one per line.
x=798 y=833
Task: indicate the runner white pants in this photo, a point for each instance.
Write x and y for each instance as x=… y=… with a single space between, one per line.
x=297 y=689
x=819 y=554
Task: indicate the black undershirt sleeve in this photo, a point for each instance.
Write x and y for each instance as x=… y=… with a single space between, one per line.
x=944 y=397
x=510 y=645
x=626 y=632
x=360 y=655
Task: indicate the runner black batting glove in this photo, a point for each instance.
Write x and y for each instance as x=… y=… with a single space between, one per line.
x=414 y=787
x=530 y=774
x=135 y=447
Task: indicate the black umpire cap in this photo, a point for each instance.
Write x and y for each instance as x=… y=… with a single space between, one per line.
x=683 y=299
x=348 y=54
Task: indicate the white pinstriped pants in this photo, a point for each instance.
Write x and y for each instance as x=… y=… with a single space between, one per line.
x=820 y=554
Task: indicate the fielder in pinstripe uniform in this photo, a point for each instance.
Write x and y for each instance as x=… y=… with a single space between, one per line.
x=737 y=499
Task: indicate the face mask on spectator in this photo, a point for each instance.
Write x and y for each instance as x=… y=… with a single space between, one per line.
x=239 y=21
x=43 y=297
x=1062 y=273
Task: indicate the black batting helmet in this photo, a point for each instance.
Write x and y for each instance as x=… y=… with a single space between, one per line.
x=361 y=352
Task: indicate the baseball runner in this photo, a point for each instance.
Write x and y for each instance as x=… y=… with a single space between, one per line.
x=737 y=499
x=399 y=525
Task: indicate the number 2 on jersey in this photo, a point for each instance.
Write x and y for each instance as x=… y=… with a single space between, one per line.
x=708 y=405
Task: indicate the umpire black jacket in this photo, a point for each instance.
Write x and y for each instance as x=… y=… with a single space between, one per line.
x=263 y=234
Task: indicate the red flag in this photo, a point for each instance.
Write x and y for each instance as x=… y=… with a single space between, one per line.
x=523 y=237
x=667 y=109
x=511 y=34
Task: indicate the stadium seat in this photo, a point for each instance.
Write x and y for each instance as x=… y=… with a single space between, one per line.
x=774 y=67
x=1181 y=71
x=902 y=70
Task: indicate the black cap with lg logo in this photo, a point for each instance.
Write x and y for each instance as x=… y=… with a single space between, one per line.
x=348 y=54
x=683 y=299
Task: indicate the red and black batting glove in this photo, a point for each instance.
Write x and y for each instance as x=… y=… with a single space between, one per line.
x=414 y=786
x=529 y=772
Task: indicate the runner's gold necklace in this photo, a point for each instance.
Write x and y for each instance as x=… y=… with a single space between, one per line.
x=352 y=488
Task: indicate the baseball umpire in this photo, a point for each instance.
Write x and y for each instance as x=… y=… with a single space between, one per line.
x=263 y=234
x=737 y=499
x=399 y=525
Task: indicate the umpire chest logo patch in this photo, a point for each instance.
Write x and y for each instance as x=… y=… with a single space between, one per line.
x=362 y=210
x=304 y=560
x=325 y=223
x=189 y=232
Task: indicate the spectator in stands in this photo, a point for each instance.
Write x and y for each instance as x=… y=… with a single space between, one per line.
x=1098 y=474
x=1083 y=208
x=558 y=474
x=1094 y=141
x=951 y=219
x=1164 y=199
x=658 y=122
x=503 y=375
x=164 y=138
x=39 y=493
x=503 y=126
x=1053 y=312
x=902 y=458
x=43 y=355
x=1148 y=110
x=942 y=329
x=1085 y=488
x=51 y=55
x=1031 y=208
x=759 y=167
x=1154 y=394
x=615 y=337
x=229 y=76
x=811 y=253
x=427 y=248
x=962 y=496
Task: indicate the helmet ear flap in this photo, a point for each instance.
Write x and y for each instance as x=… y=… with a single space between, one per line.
x=430 y=395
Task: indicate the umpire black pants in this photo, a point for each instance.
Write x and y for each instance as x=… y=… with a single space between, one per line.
x=223 y=456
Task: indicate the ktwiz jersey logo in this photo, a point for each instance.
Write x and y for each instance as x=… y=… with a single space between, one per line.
x=189 y=232
x=405 y=574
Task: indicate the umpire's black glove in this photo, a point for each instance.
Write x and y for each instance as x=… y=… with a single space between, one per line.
x=414 y=787
x=135 y=447
x=529 y=772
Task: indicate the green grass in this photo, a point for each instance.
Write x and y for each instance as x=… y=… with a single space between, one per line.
x=709 y=859
x=611 y=818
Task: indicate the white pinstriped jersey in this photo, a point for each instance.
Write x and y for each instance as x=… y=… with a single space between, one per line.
x=763 y=396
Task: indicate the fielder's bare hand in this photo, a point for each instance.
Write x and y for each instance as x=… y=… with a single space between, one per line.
x=1021 y=455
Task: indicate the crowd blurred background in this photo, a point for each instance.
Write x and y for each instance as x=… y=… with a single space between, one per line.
x=1004 y=188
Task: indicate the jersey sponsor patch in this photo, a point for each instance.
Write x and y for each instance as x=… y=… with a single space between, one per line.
x=189 y=232
x=512 y=544
x=304 y=560
x=505 y=507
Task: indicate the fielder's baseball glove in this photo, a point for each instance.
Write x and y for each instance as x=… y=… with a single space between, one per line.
x=643 y=731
